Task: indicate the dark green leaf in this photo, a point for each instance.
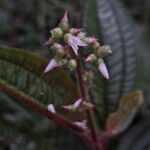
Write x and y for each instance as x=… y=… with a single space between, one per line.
x=23 y=71
x=113 y=27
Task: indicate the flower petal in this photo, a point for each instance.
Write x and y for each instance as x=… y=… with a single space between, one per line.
x=65 y=17
x=81 y=124
x=48 y=42
x=103 y=70
x=51 y=108
x=78 y=41
x=74 y=42
x=88 y=59
x=73 y=46
x=77 y=103
x=73 y=106
x=52 y=64
x=68 y=107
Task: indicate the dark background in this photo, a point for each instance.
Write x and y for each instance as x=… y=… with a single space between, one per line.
x=26 y=24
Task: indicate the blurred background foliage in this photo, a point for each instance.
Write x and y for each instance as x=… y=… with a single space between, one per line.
x=26 y=24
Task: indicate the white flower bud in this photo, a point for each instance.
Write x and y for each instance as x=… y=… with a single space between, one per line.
x=75 y=30
x=96 y=45
x=64 y=22
x=72 y=64
x=56 y=33
x=67 y=36
x=103 y=51
x=81 y=35
x=56 y=46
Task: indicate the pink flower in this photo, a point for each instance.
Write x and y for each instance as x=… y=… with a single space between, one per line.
x=82 y=124
x=65 y=17
x=51 y=108
x=52 y=65
x=102 y=68
x=73 y=106
x=74 y=42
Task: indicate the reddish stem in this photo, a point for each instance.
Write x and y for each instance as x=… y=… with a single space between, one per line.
x=83 y=96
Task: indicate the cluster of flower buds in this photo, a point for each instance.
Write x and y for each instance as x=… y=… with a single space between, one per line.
x=64 y=45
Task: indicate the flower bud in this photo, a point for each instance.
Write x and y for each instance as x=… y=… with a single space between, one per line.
x=89 y=40
x=52 y=65
x=67 y=37
x=56 y=46
x=86 y=40
x=56 y=33
x=65 y=17
x=81 y=35
x=60 y=52
x=51 y=108
x=102 y=68
x=103 y=51
x=48 y=42
x=96 y=45
x=64 y=22
x=91 y=58
x=72 y=64
x=64 y=26
x=82 y=124
x=64 y=61
x=75 y=30
x=74 y=106
x=88 y=105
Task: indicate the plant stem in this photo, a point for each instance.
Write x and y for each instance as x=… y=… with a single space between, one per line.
x=83 y=96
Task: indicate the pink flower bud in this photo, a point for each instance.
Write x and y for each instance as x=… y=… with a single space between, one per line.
x=102 y=68
x=82 y=124
x=52 y=65
x=75 y=30
x=92 y=40
x=91 y=58
x=77 y=103
x=51 y=108
x=49 y=42
x=73 y=106
x=65 y=17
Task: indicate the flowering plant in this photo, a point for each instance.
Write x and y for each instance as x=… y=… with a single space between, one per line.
x=25 y=77
x=65 y=44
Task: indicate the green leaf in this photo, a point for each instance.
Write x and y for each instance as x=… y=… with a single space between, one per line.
x=128 y=107
x=114 y=27
x=23 y=71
